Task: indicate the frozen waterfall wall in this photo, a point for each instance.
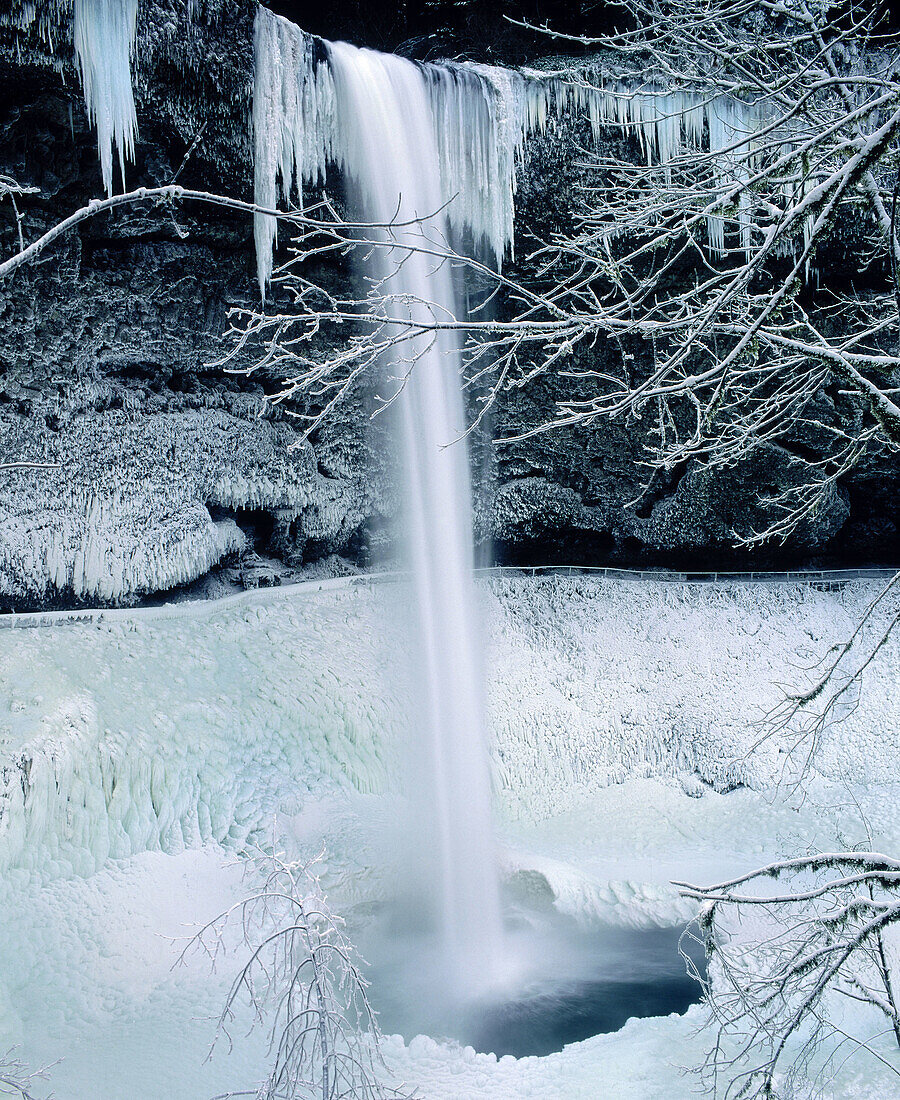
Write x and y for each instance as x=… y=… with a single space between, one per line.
x=110 y=521
x=482 y=118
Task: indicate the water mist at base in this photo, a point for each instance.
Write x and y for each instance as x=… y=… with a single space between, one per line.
x=387 y=148
x=569 y=983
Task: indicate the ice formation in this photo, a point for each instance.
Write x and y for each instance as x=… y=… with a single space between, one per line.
x=293 y=119
x=126 y=512
x=104 y=35
x=479 y=118
x=669 y=124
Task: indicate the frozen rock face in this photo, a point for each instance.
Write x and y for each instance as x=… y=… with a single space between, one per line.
x=107 y=366
x=144 y=496
x=583 y=494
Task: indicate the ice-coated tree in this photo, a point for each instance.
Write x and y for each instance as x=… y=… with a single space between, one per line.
x=17 y=1080
x=302 y=982
x=769 y=134
x=803 y=973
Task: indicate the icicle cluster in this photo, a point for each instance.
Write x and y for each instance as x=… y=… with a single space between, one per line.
x=104 y=32
x=481 y=116
x=671 y=123
x=480 y=122
x=293 y=121
x=47 y=16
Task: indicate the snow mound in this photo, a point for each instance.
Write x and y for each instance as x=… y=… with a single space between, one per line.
x=152 y=733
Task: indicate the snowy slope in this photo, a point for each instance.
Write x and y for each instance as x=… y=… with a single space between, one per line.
x=141 y=753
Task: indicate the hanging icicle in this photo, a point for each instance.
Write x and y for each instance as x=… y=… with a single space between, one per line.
x=669 y=124
x=293 y=122
x=104 y=34
x=480 y=117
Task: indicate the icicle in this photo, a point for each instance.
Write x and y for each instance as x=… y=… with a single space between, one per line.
x=480 y=117
x=293 y=117
x=667 y=124
x=104 y=33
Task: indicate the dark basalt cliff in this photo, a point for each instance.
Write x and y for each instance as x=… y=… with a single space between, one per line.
x=162 y=466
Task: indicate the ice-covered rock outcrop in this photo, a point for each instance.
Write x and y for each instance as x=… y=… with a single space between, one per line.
x=126 y=509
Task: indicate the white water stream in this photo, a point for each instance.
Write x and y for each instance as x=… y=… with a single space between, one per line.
x=387 y=149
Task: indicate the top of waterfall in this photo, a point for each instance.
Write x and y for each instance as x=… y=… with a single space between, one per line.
x=482 y=116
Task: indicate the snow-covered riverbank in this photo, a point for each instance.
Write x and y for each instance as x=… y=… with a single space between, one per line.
x=140 y=754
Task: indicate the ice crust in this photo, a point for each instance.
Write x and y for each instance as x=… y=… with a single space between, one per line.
x=156 y=733
x=140 y=754
x=126 y=511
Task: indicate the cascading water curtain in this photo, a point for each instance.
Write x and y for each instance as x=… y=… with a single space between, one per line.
x=433 y=149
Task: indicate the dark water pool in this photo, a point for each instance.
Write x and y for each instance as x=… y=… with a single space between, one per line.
x=635 y=973
x=569 y=985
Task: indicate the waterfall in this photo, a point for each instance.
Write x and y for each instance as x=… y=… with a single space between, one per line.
x=433 y=146
x=436 y=146
x=387 y=146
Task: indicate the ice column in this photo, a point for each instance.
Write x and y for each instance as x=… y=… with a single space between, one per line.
x=104 y=33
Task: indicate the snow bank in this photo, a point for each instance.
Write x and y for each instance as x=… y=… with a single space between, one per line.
x=142 y=733
x=596 y=681
x=139 y=754
x=162 y=735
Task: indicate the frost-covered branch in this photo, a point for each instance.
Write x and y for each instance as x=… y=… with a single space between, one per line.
x=833 y=683
x=301 y=981
x=171 y=193
x=784 y=963
x=29 y=465
x=17 y=1080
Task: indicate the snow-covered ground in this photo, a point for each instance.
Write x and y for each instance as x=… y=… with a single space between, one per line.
x=141 y=754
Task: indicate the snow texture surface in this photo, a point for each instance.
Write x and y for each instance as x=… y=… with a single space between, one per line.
x=142 y=752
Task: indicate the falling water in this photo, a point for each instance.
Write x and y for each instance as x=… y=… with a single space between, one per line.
x=389 y=155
